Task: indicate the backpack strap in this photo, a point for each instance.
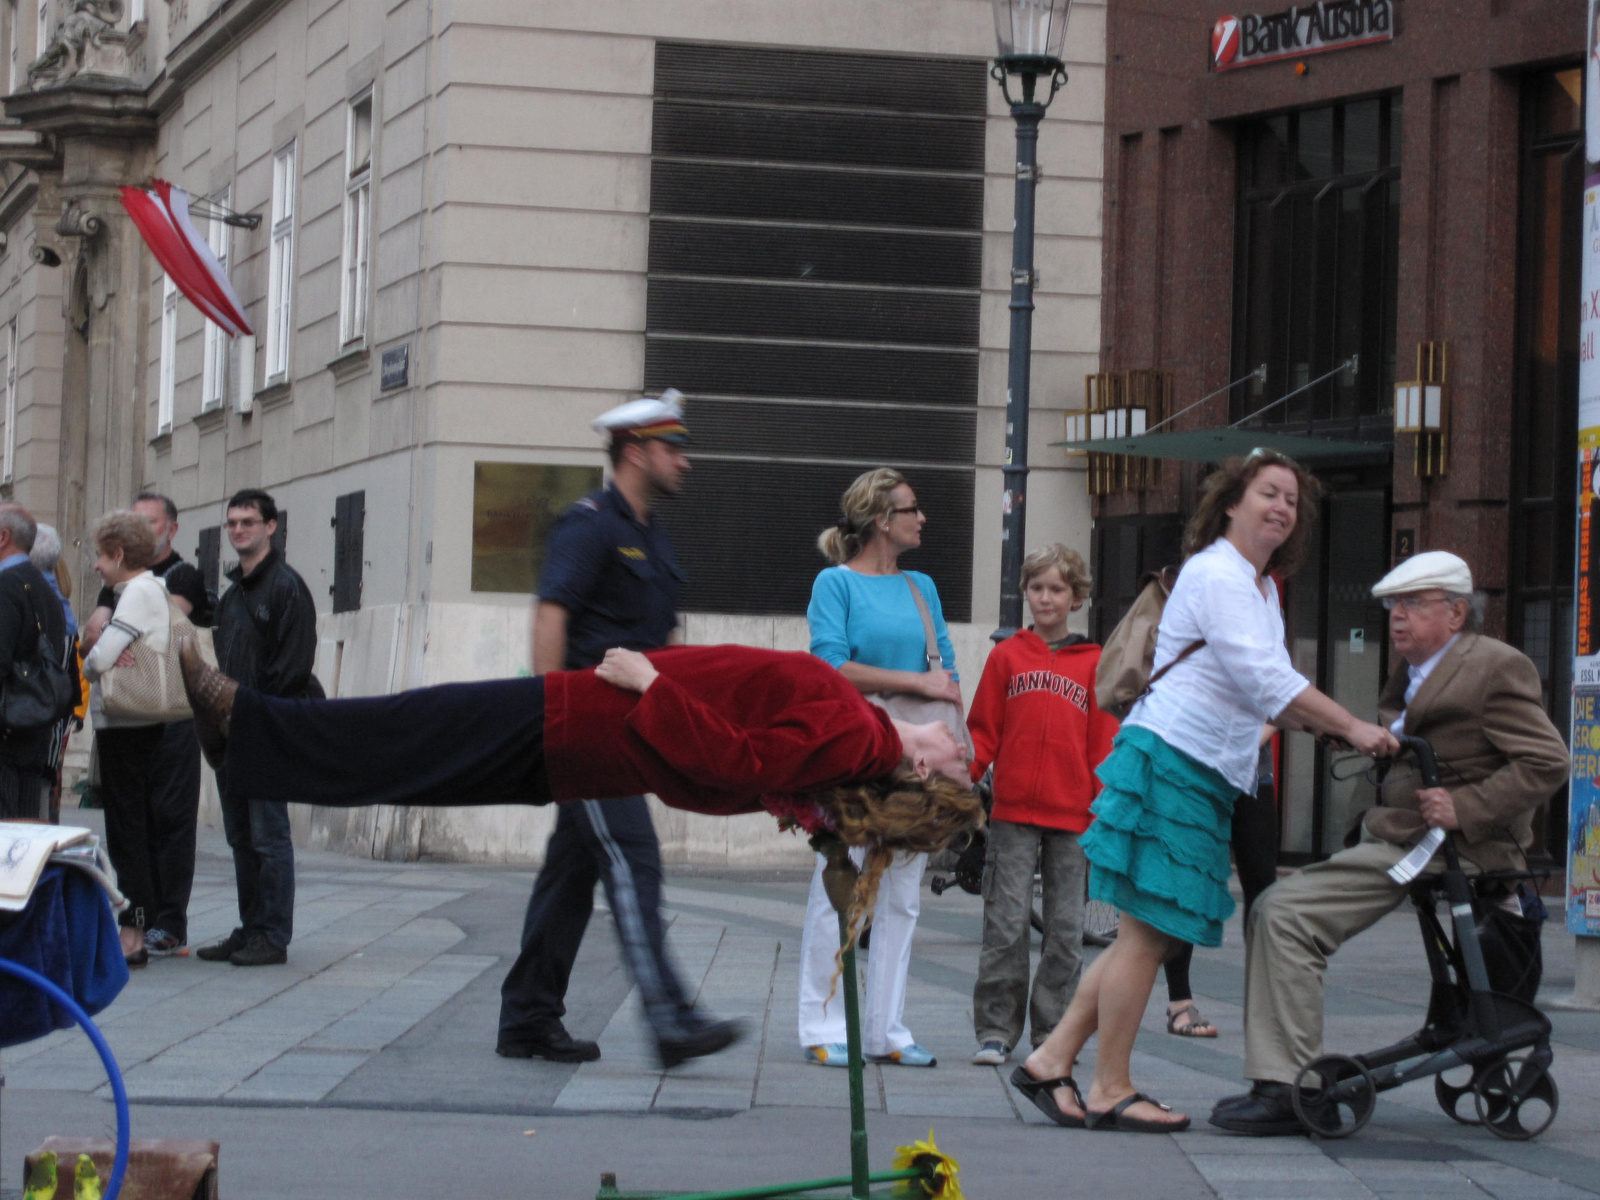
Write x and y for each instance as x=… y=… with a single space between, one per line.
x=1182 y=654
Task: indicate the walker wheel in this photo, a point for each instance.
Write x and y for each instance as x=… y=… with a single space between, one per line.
x=1334 y=1096
x=1459 y=1083
x=1516 y=1099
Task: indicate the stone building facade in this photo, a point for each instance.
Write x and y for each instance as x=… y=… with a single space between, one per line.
x=483 y=222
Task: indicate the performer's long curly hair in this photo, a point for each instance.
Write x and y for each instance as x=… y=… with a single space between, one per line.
x=898 y=812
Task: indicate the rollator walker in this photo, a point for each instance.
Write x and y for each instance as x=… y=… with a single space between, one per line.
x=1489 y=1052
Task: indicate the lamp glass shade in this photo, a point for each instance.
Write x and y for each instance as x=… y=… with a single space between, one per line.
x=1433 y=408
x=1077 y=427
x=1136 y=422
x=1097 y=426
x=1037 y=28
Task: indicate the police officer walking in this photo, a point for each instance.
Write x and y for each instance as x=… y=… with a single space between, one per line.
x=609 y=579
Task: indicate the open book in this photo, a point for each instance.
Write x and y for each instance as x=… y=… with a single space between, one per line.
x=24 y=850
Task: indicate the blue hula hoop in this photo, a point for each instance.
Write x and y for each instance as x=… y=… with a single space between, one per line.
x=119 y=1093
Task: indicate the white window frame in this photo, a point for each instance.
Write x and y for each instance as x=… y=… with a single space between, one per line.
x=14 y=46
x=280 y=266
x=8 y=469
x=356 y=256
x=167 y=381
x=214 y=369
x=41 y=32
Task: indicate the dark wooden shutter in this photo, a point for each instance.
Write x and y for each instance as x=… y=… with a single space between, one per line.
x=280 y=537
x=208 y=557
x=349 y=521
x=814 y=287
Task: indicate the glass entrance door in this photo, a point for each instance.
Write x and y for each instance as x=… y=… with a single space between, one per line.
x=1339 y=640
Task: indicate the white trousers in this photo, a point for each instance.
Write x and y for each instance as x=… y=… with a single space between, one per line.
x=894 y=921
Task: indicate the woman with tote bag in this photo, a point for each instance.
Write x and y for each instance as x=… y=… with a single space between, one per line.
x=137 y=687
x=884 y=630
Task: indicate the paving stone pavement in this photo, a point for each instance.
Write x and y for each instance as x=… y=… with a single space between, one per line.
x=379 y=1031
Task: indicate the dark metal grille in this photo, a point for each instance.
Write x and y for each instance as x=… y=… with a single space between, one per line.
x=349 y=536
x=815 y=262
x=749 y=530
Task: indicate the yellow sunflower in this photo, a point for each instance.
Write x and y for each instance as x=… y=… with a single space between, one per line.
x=941 y=1170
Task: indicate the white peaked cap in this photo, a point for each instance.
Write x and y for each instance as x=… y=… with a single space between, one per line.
x=647 y=418
x=1424 y=572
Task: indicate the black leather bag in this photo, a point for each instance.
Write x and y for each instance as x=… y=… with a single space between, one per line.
x=39 y=693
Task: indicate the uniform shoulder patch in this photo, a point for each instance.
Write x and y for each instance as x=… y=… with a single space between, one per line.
x=587 y=505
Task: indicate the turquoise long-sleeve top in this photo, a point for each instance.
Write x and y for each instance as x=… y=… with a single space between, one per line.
x=873 y=620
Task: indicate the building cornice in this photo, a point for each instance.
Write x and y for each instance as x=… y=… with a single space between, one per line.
x=219 y=31
x=28 y=147
x=95 y=105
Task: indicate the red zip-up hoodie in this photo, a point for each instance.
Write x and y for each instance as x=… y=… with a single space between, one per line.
x=1034 y=717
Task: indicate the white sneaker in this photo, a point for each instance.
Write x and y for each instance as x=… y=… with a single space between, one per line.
x=991 y=1054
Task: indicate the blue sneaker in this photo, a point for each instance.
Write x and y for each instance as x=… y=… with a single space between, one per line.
x=834 y=1054
x=907 y=1056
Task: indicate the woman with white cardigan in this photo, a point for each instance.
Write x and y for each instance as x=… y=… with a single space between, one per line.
x=125 y=549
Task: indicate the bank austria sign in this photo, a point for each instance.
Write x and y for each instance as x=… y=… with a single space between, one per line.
x=1299 y=30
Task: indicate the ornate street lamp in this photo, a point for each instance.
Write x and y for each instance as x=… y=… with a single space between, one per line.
x=1030 y=34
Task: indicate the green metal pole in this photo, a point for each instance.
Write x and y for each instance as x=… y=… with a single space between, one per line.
x=814 y=1185
x=858 y=1100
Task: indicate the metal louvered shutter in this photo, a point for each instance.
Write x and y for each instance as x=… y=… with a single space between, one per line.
x=814 y=286
x=349 y=526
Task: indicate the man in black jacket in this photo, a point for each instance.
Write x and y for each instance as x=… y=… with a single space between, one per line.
x=266 y=638
x=28 y=607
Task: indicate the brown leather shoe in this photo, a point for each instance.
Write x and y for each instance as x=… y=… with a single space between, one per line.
x=210 y=695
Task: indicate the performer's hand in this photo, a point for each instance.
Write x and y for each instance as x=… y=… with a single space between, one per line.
x=627 y=669
x=941 y=685
x=1438 y=808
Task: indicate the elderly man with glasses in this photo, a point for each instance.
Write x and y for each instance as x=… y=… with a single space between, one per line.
x=1478 y=701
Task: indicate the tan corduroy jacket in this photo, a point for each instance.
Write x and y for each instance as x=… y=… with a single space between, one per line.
x=1499 y=755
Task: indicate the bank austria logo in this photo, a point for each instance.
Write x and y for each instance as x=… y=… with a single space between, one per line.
x=1299 y=30
x=1224 y=42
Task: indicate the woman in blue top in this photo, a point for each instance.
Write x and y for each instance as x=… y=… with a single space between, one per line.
x=865 y=621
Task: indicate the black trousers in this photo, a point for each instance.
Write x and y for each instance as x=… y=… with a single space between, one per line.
x=150 y=787
x=615 y=842
x=1255 y=855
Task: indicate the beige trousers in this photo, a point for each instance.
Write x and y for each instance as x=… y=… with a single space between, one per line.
x=1296 y=925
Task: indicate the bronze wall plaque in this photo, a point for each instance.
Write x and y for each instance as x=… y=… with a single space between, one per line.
x=514 y=506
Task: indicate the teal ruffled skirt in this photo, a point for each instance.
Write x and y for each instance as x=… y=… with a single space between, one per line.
x=1158 y=847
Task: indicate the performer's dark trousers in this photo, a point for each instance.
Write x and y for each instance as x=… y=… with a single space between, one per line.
x=613 y=841
x=150 y=787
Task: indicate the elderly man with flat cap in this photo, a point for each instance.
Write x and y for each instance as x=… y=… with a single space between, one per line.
x=1477 y=700
x=609 y=578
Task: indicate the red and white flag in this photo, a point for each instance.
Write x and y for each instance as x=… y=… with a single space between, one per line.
x=162 y=216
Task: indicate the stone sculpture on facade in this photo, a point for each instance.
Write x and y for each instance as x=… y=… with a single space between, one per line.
x=84 y=41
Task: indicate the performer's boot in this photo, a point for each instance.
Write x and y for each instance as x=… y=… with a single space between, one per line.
x=210 y=695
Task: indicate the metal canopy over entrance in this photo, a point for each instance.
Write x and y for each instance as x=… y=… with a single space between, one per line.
x=1215 y=445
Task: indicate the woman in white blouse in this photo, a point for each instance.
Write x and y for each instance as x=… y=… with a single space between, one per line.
x=1158 y=848
x=125 y=549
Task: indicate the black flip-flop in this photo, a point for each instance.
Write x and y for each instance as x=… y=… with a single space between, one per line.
x=1041 y=1092
x=1116 y=1119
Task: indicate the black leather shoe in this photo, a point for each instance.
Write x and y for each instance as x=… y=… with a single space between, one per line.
x=222 y=951
x=1265 y=1112
x=258 y=952
x=555 y=1044
x=708 y=1039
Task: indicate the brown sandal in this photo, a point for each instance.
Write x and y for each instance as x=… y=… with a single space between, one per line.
x=1195 y=1025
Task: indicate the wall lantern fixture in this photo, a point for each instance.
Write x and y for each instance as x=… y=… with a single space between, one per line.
x=1030 y=35
x=1422 y=407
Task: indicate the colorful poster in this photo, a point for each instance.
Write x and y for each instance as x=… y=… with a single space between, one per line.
x=1583 y=859
x=1583 y=825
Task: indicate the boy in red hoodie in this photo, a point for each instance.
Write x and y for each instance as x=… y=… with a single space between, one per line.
x=1035 y=719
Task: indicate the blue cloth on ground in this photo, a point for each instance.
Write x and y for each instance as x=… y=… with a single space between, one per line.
x=67 y=934
x=1158 y=847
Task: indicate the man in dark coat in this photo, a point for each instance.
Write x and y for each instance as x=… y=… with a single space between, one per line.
x=266 y=638
x=28 y=607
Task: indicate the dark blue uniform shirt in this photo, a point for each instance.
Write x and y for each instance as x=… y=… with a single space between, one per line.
x=615 y=575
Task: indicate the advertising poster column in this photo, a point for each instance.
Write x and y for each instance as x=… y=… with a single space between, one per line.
x=1583 y=826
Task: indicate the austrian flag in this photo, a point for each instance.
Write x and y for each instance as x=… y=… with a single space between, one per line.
x=162 y=215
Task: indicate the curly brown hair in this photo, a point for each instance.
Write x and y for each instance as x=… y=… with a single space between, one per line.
x=130 y=532
x=1225 y=487
x=900 y=811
